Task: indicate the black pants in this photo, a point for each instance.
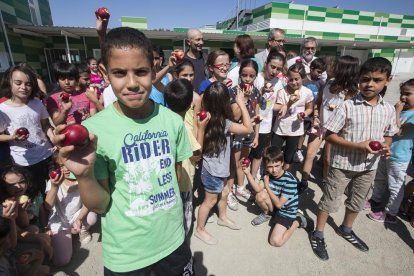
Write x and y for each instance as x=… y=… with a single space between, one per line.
x=290 y=147
x=178 y=263
x=39 y=173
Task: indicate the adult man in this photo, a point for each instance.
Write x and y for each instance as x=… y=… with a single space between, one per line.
x=195 y=55
x=308 y=49
x=275 y=38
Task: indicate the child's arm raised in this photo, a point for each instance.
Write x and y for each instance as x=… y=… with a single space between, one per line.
x=52 y=193
x=277 y=201
x=246 y=127
x=257 y=187
x=95 y=194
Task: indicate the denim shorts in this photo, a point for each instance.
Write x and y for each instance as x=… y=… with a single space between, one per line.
x=212 y=184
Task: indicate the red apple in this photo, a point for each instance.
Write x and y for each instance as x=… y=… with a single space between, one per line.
x=179 y=54
x=55 y=173
x=246 y=162
x=375 y=145
x=299 y=61
x=22 y=131
x=103 y=13
x=258 y=119
x=76 y=135
x=228 y=82
x=302 y=114
x=202 y=115
x=65 y=97
x=12 y=198
x=246 y=86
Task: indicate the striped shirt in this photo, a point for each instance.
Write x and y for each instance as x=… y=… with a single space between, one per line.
x=356 y=120
x=286 y=186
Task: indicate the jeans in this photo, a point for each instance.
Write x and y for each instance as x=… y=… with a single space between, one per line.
x=390 y=179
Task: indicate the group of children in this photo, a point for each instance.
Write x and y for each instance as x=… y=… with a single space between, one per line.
x=146 y=148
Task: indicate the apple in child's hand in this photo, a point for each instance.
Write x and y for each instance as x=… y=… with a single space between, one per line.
x=76 y=135
x=247 y=86
x=228 y=82
x=103 y=13
x=375 y=145
x=65 y=97
x=258 y=119
x=202 y=115
x=302 y=114
x=179 y=54
x=299 y=61
x=246 y=162
x=22 y=131
x=23 y=199
x=53 y=174
x=12 y=198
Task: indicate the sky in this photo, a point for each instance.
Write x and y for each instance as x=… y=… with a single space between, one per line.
x=193 y=13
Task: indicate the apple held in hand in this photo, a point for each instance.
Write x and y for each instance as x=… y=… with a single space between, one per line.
x=258 y=119
x=76 y=135
x=103 y=13
x=53 y=174
x=228 y=82
x=202 y=115
x=246 y=162
x=299 y=61
x=246 y=86
x=23 y=199
x=65 y=97
x=375 y=145
x=302 y=114
x=22 y=131
x=179 y=54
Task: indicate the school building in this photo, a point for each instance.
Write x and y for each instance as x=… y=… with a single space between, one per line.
x=27 y=34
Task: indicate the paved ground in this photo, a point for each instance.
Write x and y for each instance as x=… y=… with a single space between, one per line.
x=247 y=252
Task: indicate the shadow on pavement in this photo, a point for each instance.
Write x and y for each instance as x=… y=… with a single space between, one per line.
x=199 y=268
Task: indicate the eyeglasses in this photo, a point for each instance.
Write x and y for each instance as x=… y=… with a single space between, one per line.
x=309 y=48
x=278 y=40
x=222 y=66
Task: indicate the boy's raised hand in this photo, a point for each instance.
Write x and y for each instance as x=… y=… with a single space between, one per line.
x=80 y=161
x=399 y=106
x=245 y=166
x=101 y=24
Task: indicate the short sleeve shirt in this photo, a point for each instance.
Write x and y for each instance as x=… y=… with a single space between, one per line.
x=286 y=186
x=144 y=221
x=356 y=120
x=402 y=146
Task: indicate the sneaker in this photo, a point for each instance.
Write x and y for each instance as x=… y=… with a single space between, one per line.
x=390 y=219
x=353 y=239
x=302 y=186
x=243 y=192
x=319 y=248
x=377 y=216
x=306 y=223
x=232 y=202
x=260 y=219
x=84 y=236
x=367 y=205
x=298 y=157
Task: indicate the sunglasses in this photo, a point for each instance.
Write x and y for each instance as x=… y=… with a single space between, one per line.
x=221 y=66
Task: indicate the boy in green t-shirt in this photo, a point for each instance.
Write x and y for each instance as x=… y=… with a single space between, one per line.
x=130 y=170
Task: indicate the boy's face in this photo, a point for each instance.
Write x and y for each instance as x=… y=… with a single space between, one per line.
x=84 y=79
x=130 y=73
x=275 y=169
x=315 y=73
x=372 y=83
x=67 y=84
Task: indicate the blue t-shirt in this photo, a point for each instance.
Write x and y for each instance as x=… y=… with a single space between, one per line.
x=158 y=96
x=286 y=186
x=203 y=86
x=314 y=86
x=401 y=147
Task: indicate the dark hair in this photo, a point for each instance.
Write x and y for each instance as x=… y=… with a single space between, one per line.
x=4 y=227
x=376 y=64
x=126 y=37
x=298 y=68
x=179 y=95
x=89 y=59
x=6 y=83
x=318 y=63
x=273 y=154
x=409 y=82
x=216 y=100
x=64 y=69
x=19 y=171
x=249 y=63
x=181 y=64
x=346 y=75
x=291 y=54
x=275 y=54
x=246 y=46
x=83 y=68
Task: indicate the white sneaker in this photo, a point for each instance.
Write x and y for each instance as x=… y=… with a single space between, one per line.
x=243 y=192
x=298 y=157
x=232 y=202
x=84 y=236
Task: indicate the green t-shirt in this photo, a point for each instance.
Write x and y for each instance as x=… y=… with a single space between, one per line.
x=144 y=221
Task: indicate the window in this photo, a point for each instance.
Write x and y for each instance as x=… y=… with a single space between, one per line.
x=35 y=12
x=403 y=32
